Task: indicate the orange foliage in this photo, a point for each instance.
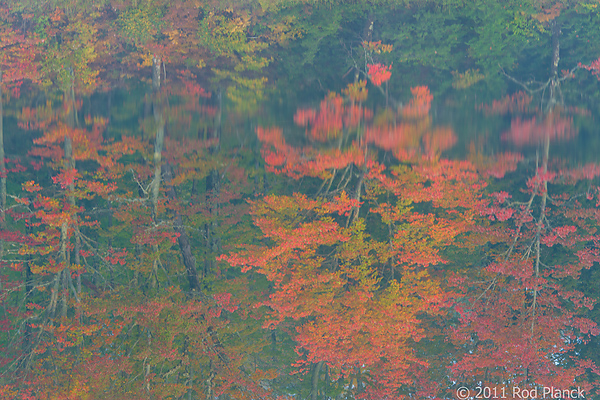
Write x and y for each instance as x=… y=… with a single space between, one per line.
x=377 y=47
x=271 y=136
x=17 y=58
x=328 y=121
x=379 y=73
x=409 y=139
x=392 y=138
x=439 y=140
x=281 y=158
x=548 y=14
x=420 y=104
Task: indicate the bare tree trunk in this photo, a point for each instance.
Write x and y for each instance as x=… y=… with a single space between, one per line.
x=555 y=48
x=189 y=261
x=213 y=183
x=555 y=81
x=314 y=390
x=2 y=172
x=356 y=210
x=64 y=232
x=51 y=309
x=156 y=64
x=2 y=179
x=158 y=146
x=78 y=262
x=554 y=92
x=28 y=292
x=538 y=234
x=210 y=384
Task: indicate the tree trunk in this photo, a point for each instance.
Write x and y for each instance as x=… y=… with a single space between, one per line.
x=64 y=232
x=555 y=81
x=158 y=146
x=156 y=64
x=213 y=183
x=2 y=172
x=26 y=345
x=314 y=390
x=189 y=261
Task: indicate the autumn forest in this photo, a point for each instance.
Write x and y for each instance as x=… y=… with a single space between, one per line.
x=299 y=199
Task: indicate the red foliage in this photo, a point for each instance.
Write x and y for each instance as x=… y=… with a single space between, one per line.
x=497 y=165
x=282 y=158
x=17 y=58
x=420 y=104
x=393 y=138
x=437 y=141
x=327 y=122
x=518 y=308
x=379 y=73
x=594 y=67
x=517 y=102
x=552 y=127
x=66 y=177
x=192 y=88
x=410 y=139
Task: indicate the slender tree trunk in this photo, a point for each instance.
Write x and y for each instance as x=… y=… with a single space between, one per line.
x=210 y=385
x=2 y=179
x=156 y=64
x=26 y=346
x=189 y=261
x=51 y=309
x=314 y=390
x=2 y=172
x=78 y=262
x=213 y=183
x=64 y=233
x=359 y=385
x=158 y=146
x=554 y=92
x=555 y=81
x=538 y=234
x=555 y=47
x=356 y=210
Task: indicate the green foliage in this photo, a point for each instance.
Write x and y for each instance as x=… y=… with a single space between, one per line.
x=140 y=24
x=246 y=93
x=67 y=62
x=525 y=26
x=226 y=37
x=428 y=37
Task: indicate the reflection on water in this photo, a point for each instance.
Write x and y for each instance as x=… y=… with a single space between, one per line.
x=285 y=199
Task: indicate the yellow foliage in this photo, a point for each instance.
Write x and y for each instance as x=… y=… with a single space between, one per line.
x=286 y=30
x=146 y=60
x=357 y=91
x=466 y=79
x=174 y=36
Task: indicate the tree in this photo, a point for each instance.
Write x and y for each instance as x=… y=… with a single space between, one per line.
x=521 y=319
